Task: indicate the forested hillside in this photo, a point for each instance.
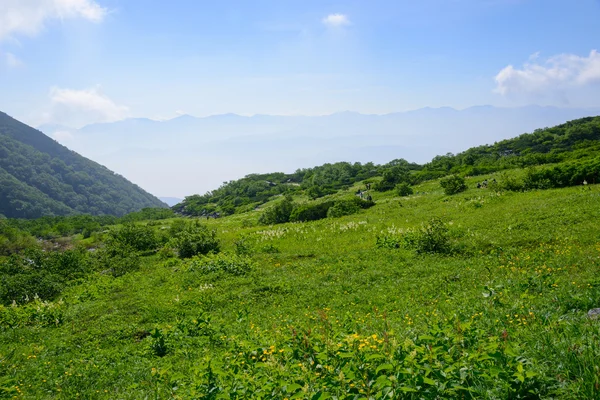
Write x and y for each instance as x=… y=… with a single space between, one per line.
x=575 y=142
x=39 y=177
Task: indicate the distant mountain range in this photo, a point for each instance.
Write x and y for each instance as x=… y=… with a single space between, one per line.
x=39 y=177
x=188 y=155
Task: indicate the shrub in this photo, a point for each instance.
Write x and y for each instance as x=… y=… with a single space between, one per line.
x=12 y=240
x=279 y=213
x=117 y=258
x=388 y=242
x=341 y=208
x=404 y=189
x=227 y=263
x=508 y=183
x=562 y=175
x=242 y=246
x=310 y=211
x=393 y=176
x=453 y=184
x=195 y=239
x=430 y=238
x=314 y=192
x=348 y=207
x=41 y=274
x=139 y=237
x=158 y=344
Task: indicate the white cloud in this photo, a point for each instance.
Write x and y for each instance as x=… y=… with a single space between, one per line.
x=558 y=73
x=27 y=17
x=336 y=20
x=89 y=105
x=12 y=61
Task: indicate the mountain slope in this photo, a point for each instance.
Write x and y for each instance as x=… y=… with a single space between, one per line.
x=40 y=177
x=575 y=140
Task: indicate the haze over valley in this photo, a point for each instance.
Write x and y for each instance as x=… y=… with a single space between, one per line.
x=188 y=155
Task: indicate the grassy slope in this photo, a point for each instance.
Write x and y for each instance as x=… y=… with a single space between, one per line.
x=540 y=251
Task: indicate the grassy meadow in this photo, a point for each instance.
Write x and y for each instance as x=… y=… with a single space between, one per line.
x=356 y=307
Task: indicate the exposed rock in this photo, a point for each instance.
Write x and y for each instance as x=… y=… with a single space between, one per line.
x=594 y=313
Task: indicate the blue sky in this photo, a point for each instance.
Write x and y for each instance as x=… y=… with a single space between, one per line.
x=76 y=62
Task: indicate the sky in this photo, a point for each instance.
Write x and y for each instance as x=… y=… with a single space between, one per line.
x=78 y=62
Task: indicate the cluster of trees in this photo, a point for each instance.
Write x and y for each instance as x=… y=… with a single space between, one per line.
x=28 y=272
x=54 y=227
x=39 y=177
x=288 y=211
x=573 y=140
x=256 y=189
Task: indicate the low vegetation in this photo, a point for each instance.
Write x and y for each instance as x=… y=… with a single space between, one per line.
x=480 y=291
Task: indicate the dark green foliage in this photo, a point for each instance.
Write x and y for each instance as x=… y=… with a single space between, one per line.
x=40 y=274
x=227 y=263
x=13 y=240
x=158 y=346
x=53 y=227
x=277 y=214
x=507 y=182
x=341 y=208
x=453 y=184
x=573 y=140
x=149 y=214
x=256 y=189
x=388 y=242
x=195 y=238
x=404 y=189
x=40 y=177
x=314 y=192
x=565 y=174
x=138 y=237
x=310 y=211
x=117 y=258
x=431 y=237
x=398 y=173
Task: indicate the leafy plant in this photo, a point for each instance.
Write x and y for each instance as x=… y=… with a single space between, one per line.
x=453 y=184
x=195 y=238
x=404 y=189
x=279 y=213
x=229 y=264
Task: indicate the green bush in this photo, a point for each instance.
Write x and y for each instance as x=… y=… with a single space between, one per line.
x=348 y=207
x=509 y=183
x=393 y=176
x=404 y=189
x=310 y=211
x=228 y=263
x=117 y=258
x=314 y=192
x=139 y=237
x=453 y=184
x=430 y=238
x=388 y=242
x=279 y=213
x=562 y=175
x=40 y=274
x=341 y=208
x=195 y=239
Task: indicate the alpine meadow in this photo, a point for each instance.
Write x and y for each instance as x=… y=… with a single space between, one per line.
x=468 y=277
x=299 y=200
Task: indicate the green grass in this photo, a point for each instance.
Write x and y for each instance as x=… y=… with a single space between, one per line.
x=325 y=313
